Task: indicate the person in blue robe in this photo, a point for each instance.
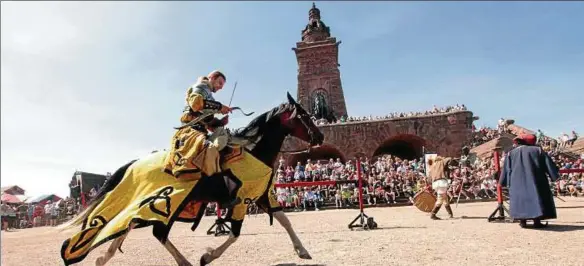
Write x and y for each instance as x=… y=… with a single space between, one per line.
x=524 y=173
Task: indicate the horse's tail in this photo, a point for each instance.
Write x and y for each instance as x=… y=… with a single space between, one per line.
x=108 y=186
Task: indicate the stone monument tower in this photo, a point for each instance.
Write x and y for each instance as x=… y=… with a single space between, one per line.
x=319 y=80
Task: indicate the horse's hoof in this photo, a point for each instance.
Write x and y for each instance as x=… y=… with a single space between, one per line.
x=305 y=256
x=202 y=261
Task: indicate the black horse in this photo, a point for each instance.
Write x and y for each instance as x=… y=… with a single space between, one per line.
x=265 y=135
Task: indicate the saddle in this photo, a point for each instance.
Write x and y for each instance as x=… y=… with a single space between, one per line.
x=230 y=153
x=241 y=138
x=235 y=144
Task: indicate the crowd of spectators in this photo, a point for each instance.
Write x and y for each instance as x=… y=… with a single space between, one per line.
x=435 y=110
x=483 y=135
x=45 y=213
x=391 y=180
x=571 y=184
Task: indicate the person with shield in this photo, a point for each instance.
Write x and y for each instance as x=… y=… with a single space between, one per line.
x=439 y=172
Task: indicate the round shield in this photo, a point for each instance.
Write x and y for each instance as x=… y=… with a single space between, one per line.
x=424 y=201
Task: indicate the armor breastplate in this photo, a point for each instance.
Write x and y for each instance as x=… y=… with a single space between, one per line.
x=204 y=91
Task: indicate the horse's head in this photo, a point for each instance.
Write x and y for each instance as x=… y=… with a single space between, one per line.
x=299 y=123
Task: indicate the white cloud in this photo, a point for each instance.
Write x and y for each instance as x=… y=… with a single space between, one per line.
x=65 y=104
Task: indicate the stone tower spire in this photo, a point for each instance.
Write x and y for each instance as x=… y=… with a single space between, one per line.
x=315 y=30
x=319 y=79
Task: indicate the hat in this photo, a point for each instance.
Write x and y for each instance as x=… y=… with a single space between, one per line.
x=527 y=139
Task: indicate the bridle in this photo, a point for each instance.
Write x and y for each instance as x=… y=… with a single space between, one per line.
x=310 y=133
x=299 y=151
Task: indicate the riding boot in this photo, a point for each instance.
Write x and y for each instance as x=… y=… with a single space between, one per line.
x=449 y=210
x=220 y=188
x=232 y=189
x=434 y=211
x=234 y=200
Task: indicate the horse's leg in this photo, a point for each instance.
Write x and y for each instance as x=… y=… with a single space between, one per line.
x=180 y=259
x=298 y=247
x=213 y=254
x=111 y=251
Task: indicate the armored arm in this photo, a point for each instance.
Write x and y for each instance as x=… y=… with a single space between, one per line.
x=197 y=99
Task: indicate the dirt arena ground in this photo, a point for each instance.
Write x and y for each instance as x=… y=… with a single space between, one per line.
x=406 y=237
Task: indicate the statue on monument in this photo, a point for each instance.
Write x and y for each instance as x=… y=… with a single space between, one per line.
x=320 y=108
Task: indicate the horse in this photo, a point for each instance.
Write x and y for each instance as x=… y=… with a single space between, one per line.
x=265 y=136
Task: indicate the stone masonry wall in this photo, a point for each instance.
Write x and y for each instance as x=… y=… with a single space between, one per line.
x=444 y=134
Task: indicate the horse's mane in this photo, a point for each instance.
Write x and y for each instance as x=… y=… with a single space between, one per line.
x=256 y=128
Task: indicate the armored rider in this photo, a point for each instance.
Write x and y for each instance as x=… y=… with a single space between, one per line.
x=200 y=103
x=193 y=150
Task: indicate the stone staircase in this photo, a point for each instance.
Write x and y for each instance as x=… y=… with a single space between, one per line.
x=518 y=130
x=485 y=150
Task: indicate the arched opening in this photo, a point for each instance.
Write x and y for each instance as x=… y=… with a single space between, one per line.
x=322 y=153
x=404 y=146
x=361 y=155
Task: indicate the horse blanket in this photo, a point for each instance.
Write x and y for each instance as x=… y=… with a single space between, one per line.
x=257 y=185
x=147 y=195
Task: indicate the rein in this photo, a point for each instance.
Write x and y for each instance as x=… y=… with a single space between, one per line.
x=299 y=151
x=202 y=117
x=244 y=113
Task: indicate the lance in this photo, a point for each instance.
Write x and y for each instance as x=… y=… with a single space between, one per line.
x=237 y=108
x=232 y=93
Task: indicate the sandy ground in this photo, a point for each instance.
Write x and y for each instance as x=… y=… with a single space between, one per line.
x=405 y=236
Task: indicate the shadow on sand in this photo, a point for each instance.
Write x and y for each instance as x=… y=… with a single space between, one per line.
x=473 y=217
x=560 y=228
x=335 y=231
x=294 y=264
x=569 y=207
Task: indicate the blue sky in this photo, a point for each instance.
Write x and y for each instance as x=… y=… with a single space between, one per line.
x=92 y=85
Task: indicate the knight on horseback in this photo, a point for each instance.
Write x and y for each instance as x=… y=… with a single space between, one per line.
x=193 y=150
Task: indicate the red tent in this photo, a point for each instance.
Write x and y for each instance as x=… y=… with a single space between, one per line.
x=9 y=198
